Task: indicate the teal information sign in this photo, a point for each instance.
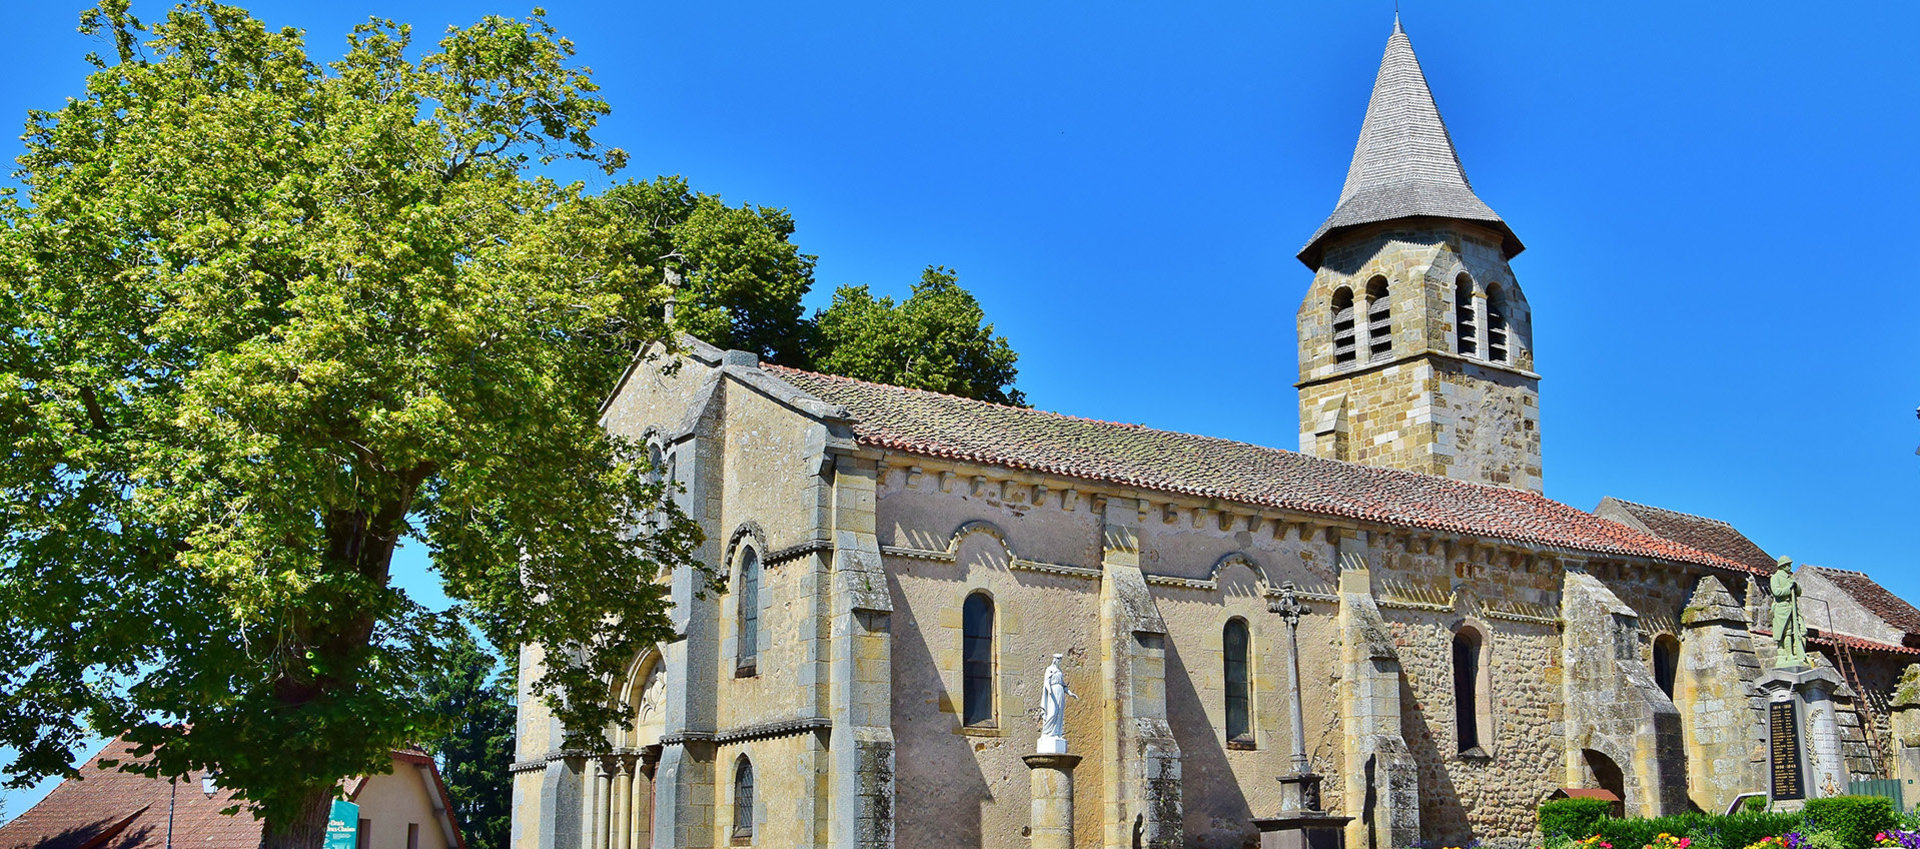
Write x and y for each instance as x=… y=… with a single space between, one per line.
x=343 y=825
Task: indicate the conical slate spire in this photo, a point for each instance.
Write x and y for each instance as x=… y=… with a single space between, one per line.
x=1404 y=165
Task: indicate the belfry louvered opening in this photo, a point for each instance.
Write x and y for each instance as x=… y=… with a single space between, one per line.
x=1344 y=343
x=1496 y=324
x=1465 y=328
x=1379 y=320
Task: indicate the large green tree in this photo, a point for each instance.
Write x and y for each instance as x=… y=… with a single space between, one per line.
x=472 y=698
x=264 y=316
x=937 y=339
x=740 y=276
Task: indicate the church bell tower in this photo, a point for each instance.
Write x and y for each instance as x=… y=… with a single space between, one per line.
x=1416 y=344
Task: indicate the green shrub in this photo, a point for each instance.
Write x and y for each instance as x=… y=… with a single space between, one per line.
x=1744 y=829
x=1571 y=819
x=1754 y=804
x=1851 y=820
x=1633 y=833
x=1707 y=831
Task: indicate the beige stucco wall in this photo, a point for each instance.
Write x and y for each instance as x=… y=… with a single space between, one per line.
x=395 y=800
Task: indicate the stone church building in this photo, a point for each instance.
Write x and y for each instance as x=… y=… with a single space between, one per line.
x=901 y=565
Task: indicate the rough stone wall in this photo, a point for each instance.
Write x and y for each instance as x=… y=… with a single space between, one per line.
x=1613 y=706
x=1427 y=591
x=1722 y=716
x=1422 y=405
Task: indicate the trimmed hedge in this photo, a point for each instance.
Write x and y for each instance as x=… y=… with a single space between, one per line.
x=1852 y=819
x=1572 y=819
x=1844 y=821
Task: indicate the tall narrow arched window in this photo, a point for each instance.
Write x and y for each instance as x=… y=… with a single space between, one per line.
x=1344 y=344
x=1233 y=645
x=1465 y=328
x=1379 y=320
x=976 y=620
x=1666 y=662
x=743 y=799
x=1466 y=688
x=1496 y=324
x=656 y=463
x=748 y=649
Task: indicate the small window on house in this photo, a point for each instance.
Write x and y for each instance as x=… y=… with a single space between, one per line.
x=749 y=635
x=1466 y=688
x=1666 y=662
x=743 y=801
x=977 y=658
x=1465 y=330
x=1234 y=650
x=1379 y=320
x=1496 y=324
x=363 y=837
x=413 y=835
x=1343 y=326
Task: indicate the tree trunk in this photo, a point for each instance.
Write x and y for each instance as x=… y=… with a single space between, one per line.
x=307 y=829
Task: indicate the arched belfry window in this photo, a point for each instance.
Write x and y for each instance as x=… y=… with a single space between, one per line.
x=1344 y=340
x=1496 y=324
x=748 y=649
x=1666 y=662
x=1466 y=688
x=1234 y=653
x=743 y=799
x=1466 y=329
x=1379 y=320
x=976 y=652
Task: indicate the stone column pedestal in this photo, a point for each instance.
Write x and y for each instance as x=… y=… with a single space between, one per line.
x=1816 y=731
x=1052 y=781
x=1301 y=824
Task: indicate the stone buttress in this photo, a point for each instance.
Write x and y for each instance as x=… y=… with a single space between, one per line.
x=1721 y=713
x=1381 y=777
x=1143 y=761
x=1621 y=727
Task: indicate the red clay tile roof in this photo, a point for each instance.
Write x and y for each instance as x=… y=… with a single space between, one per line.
x=1700 y=532
x=944 y=426
x=109 y=809
x=1878 y=601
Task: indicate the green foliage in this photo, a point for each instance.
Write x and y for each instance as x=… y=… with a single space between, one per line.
x=1747 y=827
x=473 y=739
x=1754 y=804
x=1852 y=820
x=264 y=317
x=935 y=340
x=742 y=278
x=1571 y=819
x=1708 y=831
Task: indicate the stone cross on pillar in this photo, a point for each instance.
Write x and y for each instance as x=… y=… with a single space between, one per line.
x=1301 y=823
x=1289 y=608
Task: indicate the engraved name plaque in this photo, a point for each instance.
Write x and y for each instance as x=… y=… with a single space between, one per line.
x=1785 y=735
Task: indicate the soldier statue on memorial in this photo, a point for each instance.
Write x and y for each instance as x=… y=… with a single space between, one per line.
x=1789 y=627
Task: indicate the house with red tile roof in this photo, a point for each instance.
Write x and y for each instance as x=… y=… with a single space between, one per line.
x=1392 y=620
x=106 y=808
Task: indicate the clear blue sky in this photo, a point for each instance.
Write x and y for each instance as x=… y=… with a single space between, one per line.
x=1719 y=203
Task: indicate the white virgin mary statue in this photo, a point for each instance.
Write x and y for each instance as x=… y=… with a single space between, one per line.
x=1053 y=710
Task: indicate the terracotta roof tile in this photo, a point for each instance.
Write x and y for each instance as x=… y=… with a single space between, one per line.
x=1700 y=532
x=1878 y=600
x=109 y=809
x=944 y=426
